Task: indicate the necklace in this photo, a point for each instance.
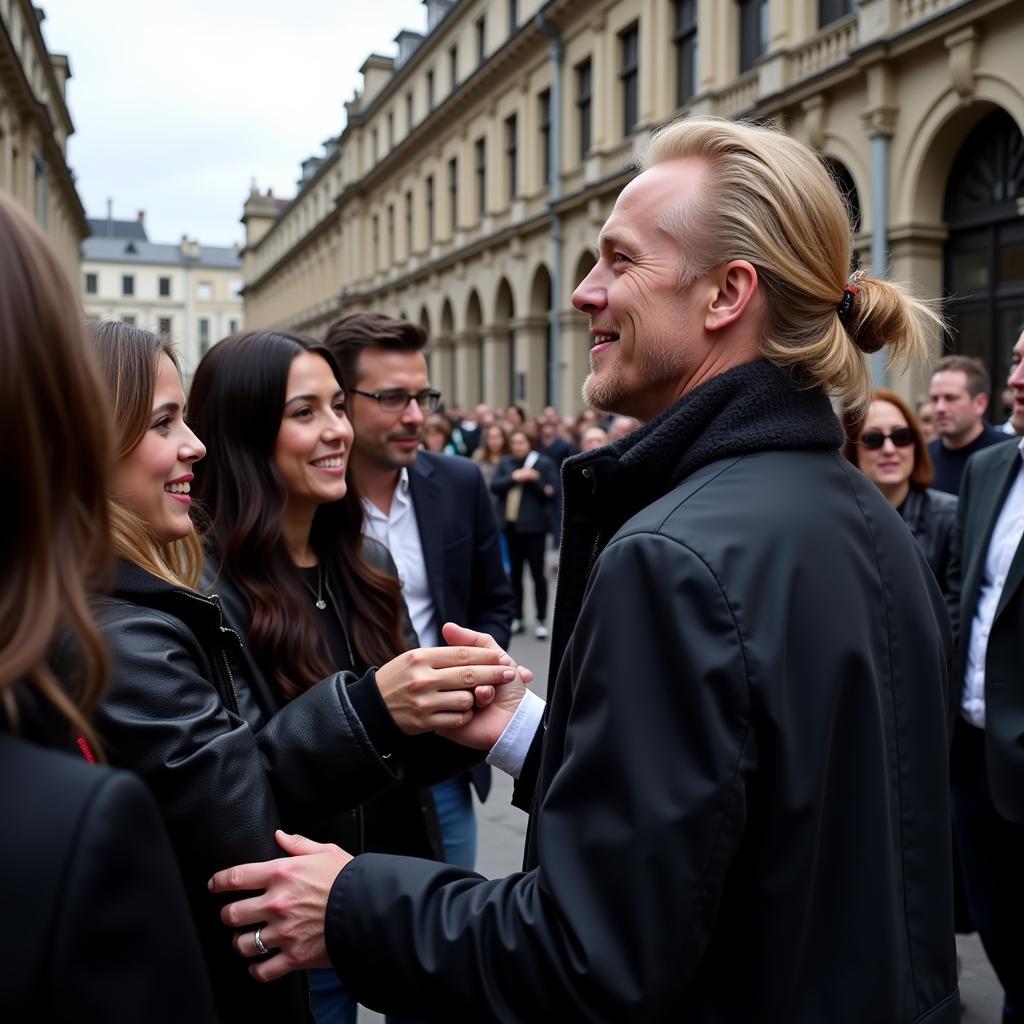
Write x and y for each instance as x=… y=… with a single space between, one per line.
x=318 y=594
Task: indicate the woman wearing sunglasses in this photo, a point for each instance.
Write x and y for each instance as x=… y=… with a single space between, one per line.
x=888 y=447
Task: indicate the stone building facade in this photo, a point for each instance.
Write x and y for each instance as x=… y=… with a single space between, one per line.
x=477 y=165
x=34 y=130
x=188 y=291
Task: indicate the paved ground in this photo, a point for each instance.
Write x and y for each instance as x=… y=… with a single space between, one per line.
x=503 y=828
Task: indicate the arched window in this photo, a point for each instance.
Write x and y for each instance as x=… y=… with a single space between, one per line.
x=984 y=262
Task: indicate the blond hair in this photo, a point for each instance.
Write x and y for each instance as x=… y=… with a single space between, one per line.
x=769 y=199
x=129 y=358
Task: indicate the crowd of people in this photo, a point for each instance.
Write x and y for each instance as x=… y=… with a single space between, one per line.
x=254 y=648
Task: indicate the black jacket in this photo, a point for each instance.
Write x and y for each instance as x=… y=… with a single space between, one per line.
x=401 y=819
x=462 y=554
x=96 y=928
x=226 y=762
x=535 y=503
x=931 y=515
x=986 y=482
x=740 y=797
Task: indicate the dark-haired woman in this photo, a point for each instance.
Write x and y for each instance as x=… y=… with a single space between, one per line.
x=307 y=592
x=95 y=925
x=889 y=449
x=227 y=762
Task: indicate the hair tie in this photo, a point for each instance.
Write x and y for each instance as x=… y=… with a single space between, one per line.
x=845 y=307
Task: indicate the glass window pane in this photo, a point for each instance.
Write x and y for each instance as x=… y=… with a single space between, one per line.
x=969 y=272
x=1011 y=263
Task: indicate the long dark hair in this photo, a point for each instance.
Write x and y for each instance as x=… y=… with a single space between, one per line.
x=235 y=405
x=55 y=436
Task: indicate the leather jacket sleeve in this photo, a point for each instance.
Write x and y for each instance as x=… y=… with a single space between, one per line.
x=589 y=934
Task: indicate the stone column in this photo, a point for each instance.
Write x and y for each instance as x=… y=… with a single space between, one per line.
x=498 y=340
x=576 y=353
x=603 y=79
x=531 y=371
x=442 y=369
x=467 y=369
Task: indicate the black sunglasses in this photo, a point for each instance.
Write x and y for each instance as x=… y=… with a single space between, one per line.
x=901 y=437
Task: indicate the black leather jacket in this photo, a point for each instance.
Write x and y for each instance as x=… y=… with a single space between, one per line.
x=226 y=761
x=740 y=799
x=931 y=516
x=402 y=819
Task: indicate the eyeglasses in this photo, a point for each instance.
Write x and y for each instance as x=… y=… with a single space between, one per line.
x=397 y=400
x=901 y=437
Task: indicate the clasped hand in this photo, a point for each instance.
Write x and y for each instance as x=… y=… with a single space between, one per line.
x=445 y=689
x=294 y=890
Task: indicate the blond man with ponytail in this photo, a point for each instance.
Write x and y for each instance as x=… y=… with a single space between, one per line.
x=739 y=789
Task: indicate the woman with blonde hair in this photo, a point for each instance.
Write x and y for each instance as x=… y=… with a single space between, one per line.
x=90 y=896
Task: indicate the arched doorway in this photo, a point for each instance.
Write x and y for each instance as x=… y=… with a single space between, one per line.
x=471 y=387
x=984 y=258
x=504 y=314
x=848 y=190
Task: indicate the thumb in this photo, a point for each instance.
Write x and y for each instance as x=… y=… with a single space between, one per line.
x=296 y=845
x=456 y=635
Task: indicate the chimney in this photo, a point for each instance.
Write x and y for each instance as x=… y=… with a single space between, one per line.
x=142 y=217
x=110 y=217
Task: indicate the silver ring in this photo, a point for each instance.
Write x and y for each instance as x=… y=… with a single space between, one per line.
x=258 y=942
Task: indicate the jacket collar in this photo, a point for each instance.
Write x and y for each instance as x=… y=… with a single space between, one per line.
x=756 y=407
x=752 y=408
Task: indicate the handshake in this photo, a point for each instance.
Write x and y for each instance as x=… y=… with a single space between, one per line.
x=467 y=692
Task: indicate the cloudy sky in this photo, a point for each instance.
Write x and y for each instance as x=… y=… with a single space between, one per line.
x=177 y=107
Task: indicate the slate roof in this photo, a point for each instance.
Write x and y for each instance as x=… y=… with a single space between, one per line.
x=119 y=250
x=101 y=227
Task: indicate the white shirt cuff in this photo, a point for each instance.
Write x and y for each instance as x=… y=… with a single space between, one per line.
x=509 y=753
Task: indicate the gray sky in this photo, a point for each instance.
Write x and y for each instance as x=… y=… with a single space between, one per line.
x=178 y=106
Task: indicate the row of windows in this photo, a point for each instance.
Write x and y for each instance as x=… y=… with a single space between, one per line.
x=204 y=289
x=753 y=44
x=165 y=325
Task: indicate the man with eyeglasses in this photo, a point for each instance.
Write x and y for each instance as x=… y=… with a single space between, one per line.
x=432 y=512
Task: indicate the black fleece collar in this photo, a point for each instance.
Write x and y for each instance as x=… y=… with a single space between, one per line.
x=756 y=407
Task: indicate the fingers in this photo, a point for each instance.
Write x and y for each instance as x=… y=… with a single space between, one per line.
x=296 y=845
x=245 y=942
x=272 y=968
x=242 y=878
x=458 y=654
x=483 y=696
x=455 y=634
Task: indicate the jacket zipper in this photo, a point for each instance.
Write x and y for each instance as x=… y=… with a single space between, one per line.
x=215 y=601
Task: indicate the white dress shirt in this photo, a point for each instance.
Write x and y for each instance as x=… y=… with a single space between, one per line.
x=399 y=532
x=1006 y=537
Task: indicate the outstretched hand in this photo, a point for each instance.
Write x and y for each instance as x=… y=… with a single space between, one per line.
x=491 y=718
x=289 y=912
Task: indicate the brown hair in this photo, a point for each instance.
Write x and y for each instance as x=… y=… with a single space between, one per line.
x=481 y=452
x=54 y=535
x=977 y=378
x=347 y=337
x=129 y=359
x=922 y=475
x=768 y=199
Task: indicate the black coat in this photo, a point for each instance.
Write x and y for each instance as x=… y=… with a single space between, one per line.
x=537 y=495
x=227 y=763
x=462 y=554
x=931 y=515
x=401 y=819
x=740 y=806
x=96 y=928
x=983 y=490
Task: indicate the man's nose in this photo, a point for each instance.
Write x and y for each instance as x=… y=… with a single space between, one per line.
x=591 y=295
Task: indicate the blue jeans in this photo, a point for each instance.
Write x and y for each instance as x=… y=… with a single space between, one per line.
x=333 y=1003
x=454 y=804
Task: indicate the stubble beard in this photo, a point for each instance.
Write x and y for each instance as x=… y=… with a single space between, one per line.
x=656 y=365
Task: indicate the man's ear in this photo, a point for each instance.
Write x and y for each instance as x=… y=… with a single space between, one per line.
x=981 y=401
x=734 y=285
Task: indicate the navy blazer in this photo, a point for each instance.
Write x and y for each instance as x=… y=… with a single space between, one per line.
x=462 y=553
x=986 y=482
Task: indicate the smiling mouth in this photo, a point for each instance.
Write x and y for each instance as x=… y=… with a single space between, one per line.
x=329 y=462
x=599 y=338
x=178 y=488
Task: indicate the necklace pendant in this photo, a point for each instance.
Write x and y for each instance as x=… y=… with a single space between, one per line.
x=321 y=603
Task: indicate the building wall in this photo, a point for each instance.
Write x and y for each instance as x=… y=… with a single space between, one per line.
x=197 y=293
x=888 y=91
x=34 y=129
